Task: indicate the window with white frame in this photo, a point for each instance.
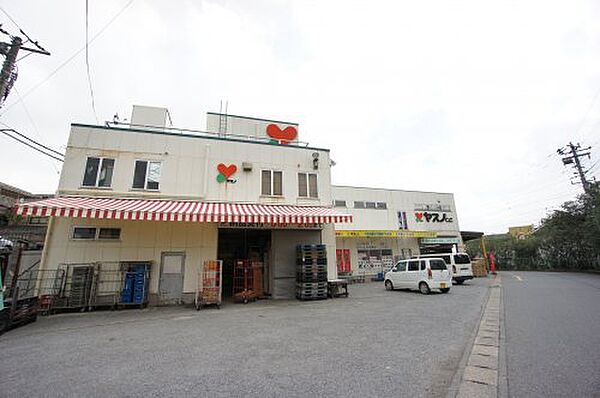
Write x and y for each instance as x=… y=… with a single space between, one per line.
x=339 y=203
x=307 y=185
x=271 y=183
x=146 y=175
x=95 y=233
x=98 y=172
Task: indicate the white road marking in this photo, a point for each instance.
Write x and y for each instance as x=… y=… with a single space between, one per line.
x=518 y=277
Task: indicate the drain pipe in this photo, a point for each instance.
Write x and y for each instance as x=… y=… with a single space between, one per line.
x=205 y=187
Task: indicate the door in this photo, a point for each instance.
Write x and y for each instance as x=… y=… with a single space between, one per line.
x=413 y=274
x=170 y=286
x=398 y=275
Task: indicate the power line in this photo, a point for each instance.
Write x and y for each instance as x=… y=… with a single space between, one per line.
x=87 y=59
x=587 y=112
x=62 y=65
x=5 y=132
x=33 y=124
x=34 y=141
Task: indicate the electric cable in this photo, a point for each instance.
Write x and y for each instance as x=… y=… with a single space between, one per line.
x=68 y=60
x=87 y=60
x=5 y=132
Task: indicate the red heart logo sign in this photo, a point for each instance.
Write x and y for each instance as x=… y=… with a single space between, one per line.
x=227 y=171
x=419 y=215
x=284 y=136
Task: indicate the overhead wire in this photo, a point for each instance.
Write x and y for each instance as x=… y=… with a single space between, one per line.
x=68 y=60
x=87 y=59
x=6 y=132
x=33 y=124
x=587 y=113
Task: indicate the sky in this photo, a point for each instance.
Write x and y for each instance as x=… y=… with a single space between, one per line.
x=470 y=97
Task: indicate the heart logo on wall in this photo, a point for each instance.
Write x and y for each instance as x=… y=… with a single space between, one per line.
x=419 y=217
x=225 y=171
x=282 y=136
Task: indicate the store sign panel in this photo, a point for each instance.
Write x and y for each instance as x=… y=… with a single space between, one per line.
x=433 y=217
x=264 y=225
x=384 y=234
x=440 y=241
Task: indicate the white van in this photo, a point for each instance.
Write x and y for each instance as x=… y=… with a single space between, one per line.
x=423 y=274
x=459 y=264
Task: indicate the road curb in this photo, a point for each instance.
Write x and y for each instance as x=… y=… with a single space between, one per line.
x=480 y=376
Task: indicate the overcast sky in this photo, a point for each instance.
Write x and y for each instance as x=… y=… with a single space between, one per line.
x=470 y=97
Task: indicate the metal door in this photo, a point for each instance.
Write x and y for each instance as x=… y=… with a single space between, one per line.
x=170 y=285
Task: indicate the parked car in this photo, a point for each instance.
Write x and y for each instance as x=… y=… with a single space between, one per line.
x=459 y=264
x=423 y=274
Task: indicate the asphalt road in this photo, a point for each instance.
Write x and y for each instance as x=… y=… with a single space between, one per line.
x=552 y=330
x=373 y=343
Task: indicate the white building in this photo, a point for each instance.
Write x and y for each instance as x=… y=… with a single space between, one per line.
x=389 y=225
x=247 y=189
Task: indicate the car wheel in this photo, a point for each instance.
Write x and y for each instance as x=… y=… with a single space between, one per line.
x=445 y=290
x=424 y=288
x=389 y=285
x=459 y=281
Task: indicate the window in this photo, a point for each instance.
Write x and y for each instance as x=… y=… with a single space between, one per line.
x=84 y=233
x=402 y=223
x=437 y=265
x=381 y=205
x=359 y=205
x=401 y=266
x=423 y=265
x=370 y=205
x=98 y=172
x=109 y=233
x=413 y=265
x=307 y=185
x=462 y=259
x=93 y=233
x=272 y=183
x=146 y=175
x=339 y=203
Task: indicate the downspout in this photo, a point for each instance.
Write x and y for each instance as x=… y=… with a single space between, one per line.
x=205 y=187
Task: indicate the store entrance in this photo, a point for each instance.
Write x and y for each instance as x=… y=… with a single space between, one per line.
x=243 y=244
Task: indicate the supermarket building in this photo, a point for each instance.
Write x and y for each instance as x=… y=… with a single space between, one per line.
x=390 y=225
x=245 y=188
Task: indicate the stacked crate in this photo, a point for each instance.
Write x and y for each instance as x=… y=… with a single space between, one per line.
x=135 y=285
x=311 y=272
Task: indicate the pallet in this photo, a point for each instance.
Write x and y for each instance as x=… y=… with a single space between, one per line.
x=312 y=297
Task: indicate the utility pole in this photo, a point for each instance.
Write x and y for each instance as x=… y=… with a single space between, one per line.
x=8 y=75
x=573 y=158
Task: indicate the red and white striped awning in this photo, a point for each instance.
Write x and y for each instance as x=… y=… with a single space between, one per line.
x=174 y=210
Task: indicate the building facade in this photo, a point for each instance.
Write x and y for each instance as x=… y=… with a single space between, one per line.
x=390 y=225
x=177 y=198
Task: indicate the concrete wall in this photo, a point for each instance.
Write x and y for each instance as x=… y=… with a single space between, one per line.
x=245 y=126
x=396 y=200
x=283 y=258
x=189 y=166
x=140 y=241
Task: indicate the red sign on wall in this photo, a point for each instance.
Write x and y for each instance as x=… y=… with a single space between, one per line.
x=343 y=260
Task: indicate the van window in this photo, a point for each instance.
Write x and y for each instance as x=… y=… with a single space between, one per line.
x=437 y=265
x=413 y=265
x=423 y=265
x=401 y=266
x=462 y=259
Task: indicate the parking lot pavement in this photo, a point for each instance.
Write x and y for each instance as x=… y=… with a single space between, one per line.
x=373 y=343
